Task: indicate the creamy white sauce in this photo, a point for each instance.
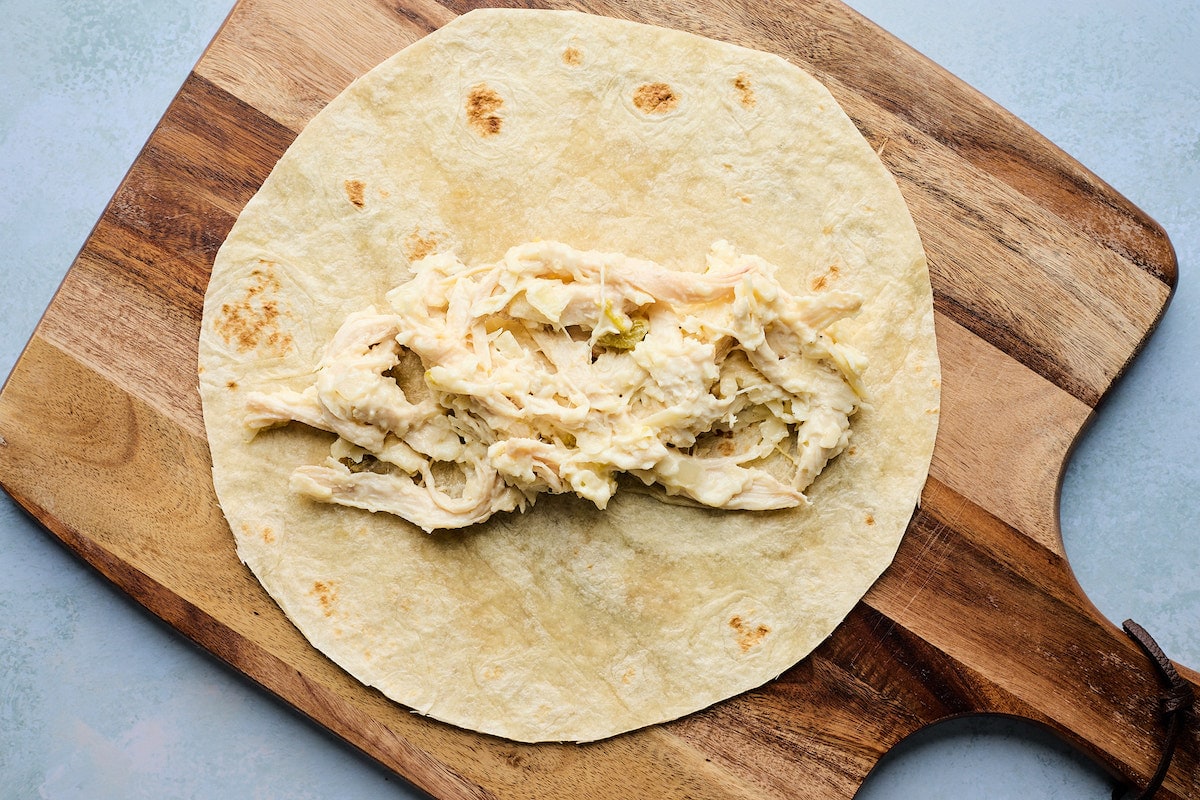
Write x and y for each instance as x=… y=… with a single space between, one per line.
x=555 y=369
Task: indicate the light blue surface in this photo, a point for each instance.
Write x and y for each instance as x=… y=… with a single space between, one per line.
x=99 y=700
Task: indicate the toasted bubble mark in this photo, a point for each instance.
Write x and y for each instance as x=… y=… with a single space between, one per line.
x=253 y=320
x=655 y=98
x=417 y=245
x=268 y=535
x=747 y=636
x=745 y=90
x=824 y=279
x=354 y=192
x=482 y=105
x=572 y=57
x=398 y=600
x=326 y=594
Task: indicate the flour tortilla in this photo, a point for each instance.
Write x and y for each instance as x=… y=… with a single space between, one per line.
x=566 y=622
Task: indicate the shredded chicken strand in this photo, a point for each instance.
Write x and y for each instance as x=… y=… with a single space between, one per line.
x=556 y=369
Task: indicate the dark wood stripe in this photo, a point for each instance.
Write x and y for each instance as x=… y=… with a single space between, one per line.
x=985 y=323
x=957 y=116
x=1028 y=163
x=204 y=161
x=134 y=296
x=417 y=18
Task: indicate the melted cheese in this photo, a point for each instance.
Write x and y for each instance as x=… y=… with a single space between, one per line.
x=555 y=369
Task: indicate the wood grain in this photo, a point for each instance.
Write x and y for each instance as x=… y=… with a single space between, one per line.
x=1047 y=283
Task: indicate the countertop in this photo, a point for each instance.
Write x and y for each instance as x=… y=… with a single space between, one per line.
x=98 y=699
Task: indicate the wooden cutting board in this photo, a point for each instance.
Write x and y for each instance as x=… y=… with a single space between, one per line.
x=1046 y=283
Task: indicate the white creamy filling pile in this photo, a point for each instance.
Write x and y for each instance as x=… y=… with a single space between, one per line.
x=555 y=369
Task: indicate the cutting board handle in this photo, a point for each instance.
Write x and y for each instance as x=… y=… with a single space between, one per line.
x=1177 y=704
x=1006 y=628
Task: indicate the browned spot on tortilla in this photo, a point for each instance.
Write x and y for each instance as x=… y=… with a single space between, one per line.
x=821 y=281
x=572 y=57
x=253 y=320
x=482 y=105
x=383 y=192
x=402 y=603
x=745 y=90
x=747 y=636
x=354 y=192
x=745 y=198
x=417 y=246
x=628 y=676
x=268 y=535
x=870 y=519
x=326 y=593
x=851 y=450
x=655 y=98
x=231 y=385
x=492 y=672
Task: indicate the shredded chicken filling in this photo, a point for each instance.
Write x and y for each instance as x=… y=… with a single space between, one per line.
x=555 y=370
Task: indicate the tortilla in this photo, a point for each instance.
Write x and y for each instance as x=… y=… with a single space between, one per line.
x=566 y=622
